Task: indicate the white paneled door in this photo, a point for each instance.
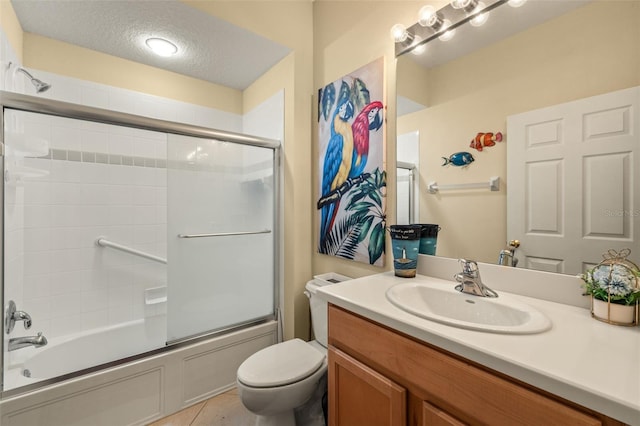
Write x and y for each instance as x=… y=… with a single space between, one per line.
x=572 y=181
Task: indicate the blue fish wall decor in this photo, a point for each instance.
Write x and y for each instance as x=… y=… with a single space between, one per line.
x=460 y=159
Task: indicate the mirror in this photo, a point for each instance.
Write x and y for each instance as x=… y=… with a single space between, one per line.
x=581 y=50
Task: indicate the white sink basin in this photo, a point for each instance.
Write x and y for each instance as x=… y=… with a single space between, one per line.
x=436 y=302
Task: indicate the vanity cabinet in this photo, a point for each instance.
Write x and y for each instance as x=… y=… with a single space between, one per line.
x=378 y=376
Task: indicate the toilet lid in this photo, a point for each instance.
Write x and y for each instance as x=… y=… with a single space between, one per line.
x=281 y=364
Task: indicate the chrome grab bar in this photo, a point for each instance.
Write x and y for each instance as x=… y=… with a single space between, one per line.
x=106 y=243
x=224 y=234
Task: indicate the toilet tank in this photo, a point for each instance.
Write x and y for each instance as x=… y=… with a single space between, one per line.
x=318 y=306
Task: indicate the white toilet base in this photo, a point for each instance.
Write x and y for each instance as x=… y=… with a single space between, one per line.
x=282 y=419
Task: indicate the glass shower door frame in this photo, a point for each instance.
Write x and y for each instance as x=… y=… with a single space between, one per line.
x=9 y=100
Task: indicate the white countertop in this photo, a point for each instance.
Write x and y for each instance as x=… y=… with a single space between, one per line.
x=583 y=360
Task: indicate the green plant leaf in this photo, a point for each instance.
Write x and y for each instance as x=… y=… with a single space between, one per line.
x=365 y=228
x=327 y=100
x=345 y=92
x=376 y=243
x=359 y=94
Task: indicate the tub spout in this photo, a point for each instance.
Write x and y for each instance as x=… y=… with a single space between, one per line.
x=22 y=342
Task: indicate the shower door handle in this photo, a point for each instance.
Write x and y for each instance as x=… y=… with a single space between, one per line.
x=224 y=234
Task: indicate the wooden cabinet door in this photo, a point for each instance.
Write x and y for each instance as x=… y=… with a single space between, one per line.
x=433 y=416
x=359 y=395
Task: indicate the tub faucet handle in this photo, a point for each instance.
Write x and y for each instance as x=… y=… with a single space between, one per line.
x=12 y=315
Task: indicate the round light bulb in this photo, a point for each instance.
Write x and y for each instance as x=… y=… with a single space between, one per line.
x=480 y=19
x=462 y=4
x=516 y=3
x=447 y=35
x=399 y=33
x=161 y=47
x=427 y=16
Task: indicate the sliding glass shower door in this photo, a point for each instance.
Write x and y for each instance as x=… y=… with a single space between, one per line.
x=220 y=238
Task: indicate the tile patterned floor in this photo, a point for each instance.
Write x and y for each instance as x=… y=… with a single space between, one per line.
x=222 y=410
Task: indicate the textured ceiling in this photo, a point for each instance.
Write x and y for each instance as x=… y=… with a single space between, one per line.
x=209 y=48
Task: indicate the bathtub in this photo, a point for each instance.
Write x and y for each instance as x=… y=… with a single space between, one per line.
x=139 y=391
x=69 y=354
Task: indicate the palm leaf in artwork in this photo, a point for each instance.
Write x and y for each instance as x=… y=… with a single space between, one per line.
x=343 y=239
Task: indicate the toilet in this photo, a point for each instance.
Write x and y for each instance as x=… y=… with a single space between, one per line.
x=276 y=380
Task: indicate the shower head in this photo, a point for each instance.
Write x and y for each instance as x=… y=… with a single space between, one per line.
x=40 y=85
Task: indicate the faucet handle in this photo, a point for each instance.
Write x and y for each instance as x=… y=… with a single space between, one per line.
x=469 y=267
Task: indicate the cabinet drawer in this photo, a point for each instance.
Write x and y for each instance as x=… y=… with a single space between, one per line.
x=472 y=394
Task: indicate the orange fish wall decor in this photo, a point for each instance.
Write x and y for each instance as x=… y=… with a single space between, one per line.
x=485 y=140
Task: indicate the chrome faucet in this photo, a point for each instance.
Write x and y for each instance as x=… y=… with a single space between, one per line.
x=470 y=281
x=22 y=342
x=13 y=315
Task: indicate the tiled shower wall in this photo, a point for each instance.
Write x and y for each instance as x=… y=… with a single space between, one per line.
x=94 y=181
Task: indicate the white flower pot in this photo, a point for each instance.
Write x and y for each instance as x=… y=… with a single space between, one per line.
x=621 y=314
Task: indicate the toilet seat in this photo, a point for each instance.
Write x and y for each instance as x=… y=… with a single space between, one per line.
x=280 y=364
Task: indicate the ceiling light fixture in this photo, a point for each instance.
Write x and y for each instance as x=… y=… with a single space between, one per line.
x=161 y=47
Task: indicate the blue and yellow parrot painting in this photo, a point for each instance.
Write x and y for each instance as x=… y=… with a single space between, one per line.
x=351 y=178
x=369 y=119
x=337 y=162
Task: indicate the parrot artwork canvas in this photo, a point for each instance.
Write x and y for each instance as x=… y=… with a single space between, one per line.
x=352 y=177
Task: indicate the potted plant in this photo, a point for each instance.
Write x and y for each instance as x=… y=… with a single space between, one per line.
x=614 y=286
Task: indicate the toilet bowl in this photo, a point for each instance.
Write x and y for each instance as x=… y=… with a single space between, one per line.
x=276 y=380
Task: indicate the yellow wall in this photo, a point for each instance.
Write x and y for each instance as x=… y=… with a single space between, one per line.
x=590 y=51
x=73 y=61
x=11 y=27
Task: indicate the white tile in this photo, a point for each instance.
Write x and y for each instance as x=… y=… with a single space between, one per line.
x=122 y=234
x=66 y=238
x=95 y=173
x=37 y=192
x=119 y=314
x=120 y=194
x=66 y=282
x=37 y=286
x=145 y=234
x=38 y=307
x=37 y=239
x=144 y=176
x=143 y=215
x=65 y=193
x=63 y=304
x=94 y=141
x=66 y=325
x=65 y=138
x=91 y=216
x=95 y=319
x=161 y=178
x=65 y=171
x=97 y=194
x=120 y=214
x=144 y=148
x=121 y=100
x=94 y=96
x=95 y=300
x=37 y=216
x=120 y=276
x=144 y=195
x=64 y=216
x=121 y=144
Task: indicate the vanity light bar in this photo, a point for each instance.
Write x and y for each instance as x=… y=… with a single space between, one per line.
x=426 y=33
